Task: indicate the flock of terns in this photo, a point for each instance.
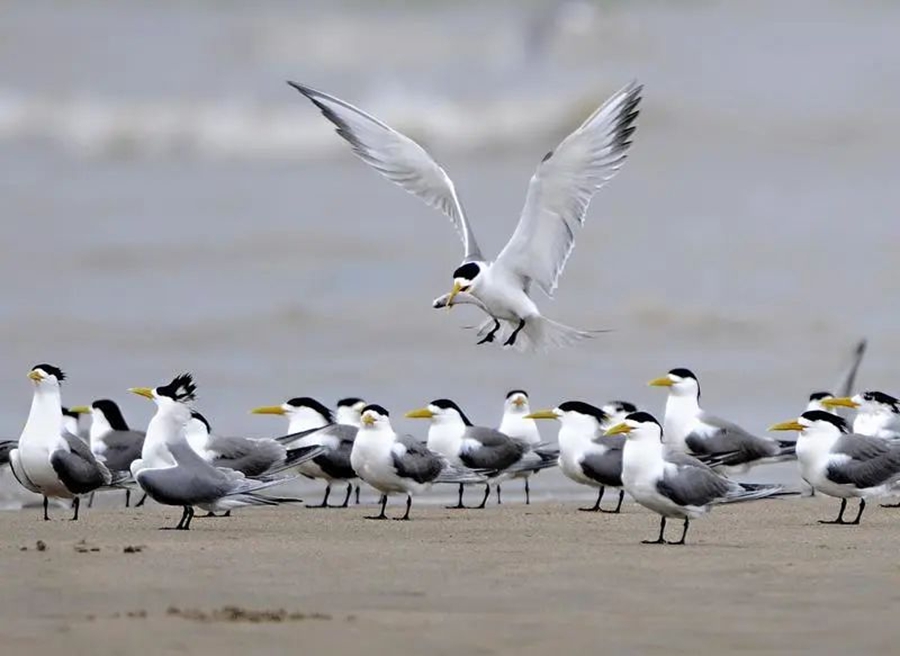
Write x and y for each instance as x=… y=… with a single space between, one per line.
x=678 y=469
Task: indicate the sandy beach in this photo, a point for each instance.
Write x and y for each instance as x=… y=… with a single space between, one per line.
x=757 y=578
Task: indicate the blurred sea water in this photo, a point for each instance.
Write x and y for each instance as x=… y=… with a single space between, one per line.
x=170 y=204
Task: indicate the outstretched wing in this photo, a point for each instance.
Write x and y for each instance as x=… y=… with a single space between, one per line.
x=562 y=187
x=398 y=158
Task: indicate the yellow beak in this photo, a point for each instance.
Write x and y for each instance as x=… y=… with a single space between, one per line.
x=269 y=410
x=619 y=429
x=146 y=392
x=542 y=414
x=368 y=420
x=36 y=376
x=457 y=288
x=792 y=425
x=421 y=413
x=840 y=402
x=665 y=381
x=80 y=409
x=519 y=402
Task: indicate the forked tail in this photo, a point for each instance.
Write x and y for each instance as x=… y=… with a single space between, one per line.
x=543 y=334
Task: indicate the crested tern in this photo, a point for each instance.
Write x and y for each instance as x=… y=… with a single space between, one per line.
x=586 y=454
x=558 y=197
x=692 y=430
x=112 y=441
x=518 y=425
x=842 y=464
x=72 y=421
x=48 y=460
x=348 y=412
x=306 y=415
x=393 y=463
x=674 y=484
x=877 y=413
x=453 y=435
x=175 y=475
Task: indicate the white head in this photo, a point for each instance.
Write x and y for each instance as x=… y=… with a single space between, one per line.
x=441 y=412
x=72 y=419
x=616 y=411
x=575 y=415
x=349 y=411
x=106 y=416
x=818 y=400
x=681 y=383
x=375 y=418
x=639 y=427
x=814 y=423
x=46 y=378
x=466 y=279
x=171 y=399
x=875 y=403
x=302 y=412
x=516 y=403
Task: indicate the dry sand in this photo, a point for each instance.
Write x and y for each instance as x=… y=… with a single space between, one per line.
x=757 y=578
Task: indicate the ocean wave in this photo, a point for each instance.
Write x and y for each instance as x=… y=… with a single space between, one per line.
x=242 y=129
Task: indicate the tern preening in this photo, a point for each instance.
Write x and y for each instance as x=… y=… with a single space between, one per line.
x=555 y=206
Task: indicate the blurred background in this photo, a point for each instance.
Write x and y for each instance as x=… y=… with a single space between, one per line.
x=170 y=204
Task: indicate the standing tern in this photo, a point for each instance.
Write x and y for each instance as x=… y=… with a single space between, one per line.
x=47 y=460
x=586 y=454
x=690 y=429
x=452 y=435
x=306 y=414
x=518 y=425
x=112 y=441
x=555 y=206
x=671 y=483
x=175 y=475
x=393 y=463
x=841 y=464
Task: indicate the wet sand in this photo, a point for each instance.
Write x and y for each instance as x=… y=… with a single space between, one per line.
x=757 y=578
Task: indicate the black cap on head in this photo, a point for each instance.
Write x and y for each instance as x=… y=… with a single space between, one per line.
x=196 y=415
x=681 y=372
x=516 y=391
x=349 y=402
x=584 y=409
x=51 y=370
x=821 y=415
x=642 y=418
x=374 y=407
x=818 y=396
x=181 y=388
x=447 y=404
x=312 y=404
x=623 y=406
x=884 y=399
x=468 y=271
x=112 y=413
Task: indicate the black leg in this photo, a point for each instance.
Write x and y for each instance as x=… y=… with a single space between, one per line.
x=127 y=498
x=382 y=515
x=324 y=503
x=141 y=501
x=499 y=502
x=512 y=338
x=227 y=513
x=460 y=502
x=357 y=494
x=408 y=506
x=189 y=515
x=840 y=517
x=490 y=336
x=46 y=503
x=596 y=506
x=76 y=504
x=662 y=531
x=618 y=505
x=91 y=501
x=347 y=498
x=487 y=493
x=862 y=506
x=527 y=493
x=687 y=522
